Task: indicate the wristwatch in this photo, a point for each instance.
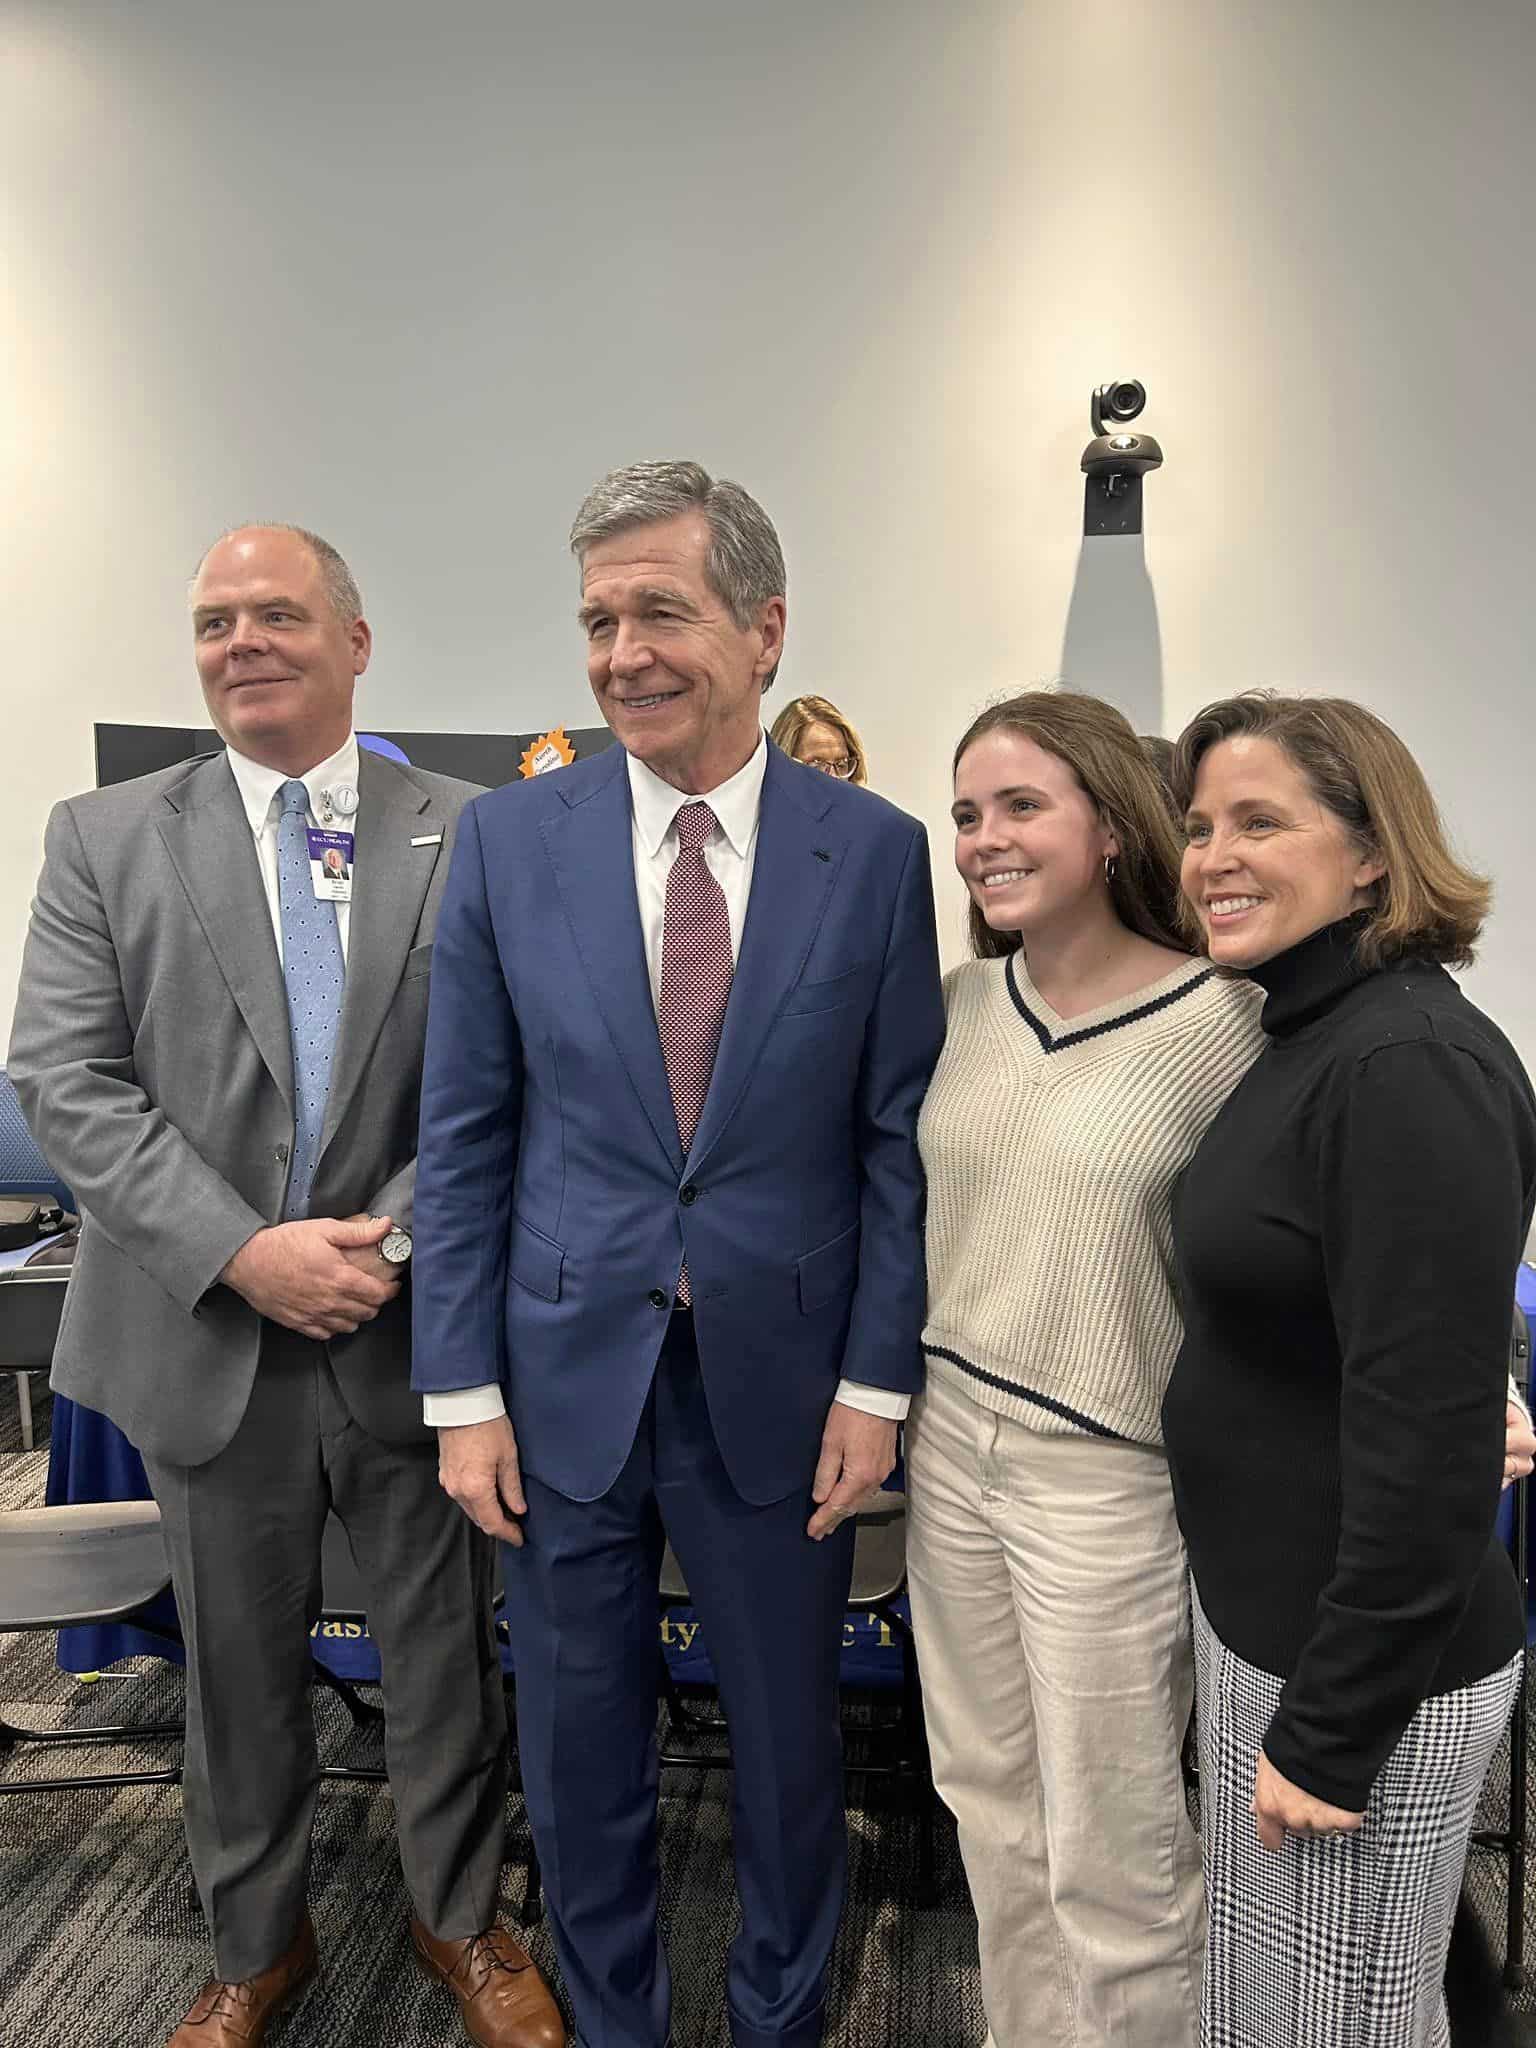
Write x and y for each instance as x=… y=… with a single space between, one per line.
x=395 y=1250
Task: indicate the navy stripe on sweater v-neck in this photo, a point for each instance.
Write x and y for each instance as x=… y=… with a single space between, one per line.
x=1050 y=1042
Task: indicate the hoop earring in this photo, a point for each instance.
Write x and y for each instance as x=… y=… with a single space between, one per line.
x=1109 y=870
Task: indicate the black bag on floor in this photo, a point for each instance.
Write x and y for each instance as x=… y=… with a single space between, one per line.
x=26 y=1218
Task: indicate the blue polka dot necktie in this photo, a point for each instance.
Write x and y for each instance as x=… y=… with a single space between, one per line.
x=315 y=971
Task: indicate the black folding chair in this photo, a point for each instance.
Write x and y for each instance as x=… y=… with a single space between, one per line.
x=103 y=1562
x=31 y=1302
x=879 y=1575
x=1511 y=1839
x=62 y=1567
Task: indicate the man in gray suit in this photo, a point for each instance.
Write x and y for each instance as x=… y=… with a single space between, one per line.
x=225 y=1068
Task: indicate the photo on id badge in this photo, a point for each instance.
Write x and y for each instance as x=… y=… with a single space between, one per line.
x=330 y=865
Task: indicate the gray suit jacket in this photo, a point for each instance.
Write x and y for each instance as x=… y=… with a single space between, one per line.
x=152 y=1056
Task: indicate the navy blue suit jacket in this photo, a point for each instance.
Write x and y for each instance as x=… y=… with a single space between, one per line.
x=554 y=1207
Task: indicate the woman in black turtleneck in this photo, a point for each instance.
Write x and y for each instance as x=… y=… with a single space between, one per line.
x=1347 y=1236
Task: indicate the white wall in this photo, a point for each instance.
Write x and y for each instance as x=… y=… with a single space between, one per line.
x=415 y=276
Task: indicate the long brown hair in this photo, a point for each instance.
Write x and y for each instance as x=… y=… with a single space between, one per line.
x=1427 y=904
x=1103 y=752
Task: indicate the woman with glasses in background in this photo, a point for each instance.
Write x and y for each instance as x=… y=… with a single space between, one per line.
x=812 y=730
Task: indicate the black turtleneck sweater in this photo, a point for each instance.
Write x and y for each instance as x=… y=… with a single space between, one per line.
x=1347 y=1235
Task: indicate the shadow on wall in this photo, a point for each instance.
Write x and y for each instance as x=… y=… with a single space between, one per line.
x=1112 y=646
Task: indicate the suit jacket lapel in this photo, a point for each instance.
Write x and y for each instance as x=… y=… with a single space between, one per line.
x=392 y=881
x=793 y=874
x=208 y=837
x=591 y=849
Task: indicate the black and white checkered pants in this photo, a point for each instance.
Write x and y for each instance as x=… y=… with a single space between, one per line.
x=1338 y=1941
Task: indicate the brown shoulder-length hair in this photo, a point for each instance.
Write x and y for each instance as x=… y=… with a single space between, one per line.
x=1103 y=752
x=1427 y=904
x=789 y=729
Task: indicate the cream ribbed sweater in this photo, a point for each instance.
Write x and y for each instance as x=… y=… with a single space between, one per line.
x=1051 y=1149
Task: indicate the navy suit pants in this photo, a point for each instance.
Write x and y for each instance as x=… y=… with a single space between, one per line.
x=582 y=1609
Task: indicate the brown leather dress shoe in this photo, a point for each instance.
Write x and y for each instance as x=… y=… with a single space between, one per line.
x=503 y=2000
x=238 y=2015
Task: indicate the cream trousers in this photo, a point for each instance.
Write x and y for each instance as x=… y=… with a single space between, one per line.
x=1051 y=1606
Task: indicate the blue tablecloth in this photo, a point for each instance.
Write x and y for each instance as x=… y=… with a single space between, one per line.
x=1525 y=1295
x=1525 y=1290
x=91 y=1459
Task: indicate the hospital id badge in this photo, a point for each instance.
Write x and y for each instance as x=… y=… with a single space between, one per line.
x=330 y=865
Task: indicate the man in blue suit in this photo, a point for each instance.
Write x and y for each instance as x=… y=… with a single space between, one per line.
x=669 y=1275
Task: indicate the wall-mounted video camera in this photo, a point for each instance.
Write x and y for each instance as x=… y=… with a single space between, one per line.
x=1115 y=460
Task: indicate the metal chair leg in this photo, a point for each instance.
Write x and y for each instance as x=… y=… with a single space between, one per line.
x=916 y=1764
x=679 y=1714
x=1514 y=1946
x=532 y=1907
x=922 y=1765
x=24 y=1401
x=364 y=1713
x=12 y=1737
x=533 y=1893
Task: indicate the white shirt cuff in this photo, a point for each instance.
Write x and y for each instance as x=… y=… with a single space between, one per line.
x=1517 y=1397
x=483 y=1404
x=880 y=1401
x=463 y=1405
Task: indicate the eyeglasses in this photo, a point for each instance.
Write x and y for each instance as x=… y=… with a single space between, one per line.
x=842 y=767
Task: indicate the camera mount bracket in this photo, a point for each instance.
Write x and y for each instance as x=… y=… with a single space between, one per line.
x=1116 y=460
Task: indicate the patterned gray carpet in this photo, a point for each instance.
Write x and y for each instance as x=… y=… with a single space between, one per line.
x=103 y=1943
x=103 y=1946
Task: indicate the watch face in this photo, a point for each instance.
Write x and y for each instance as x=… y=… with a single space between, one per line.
x=396 y=1247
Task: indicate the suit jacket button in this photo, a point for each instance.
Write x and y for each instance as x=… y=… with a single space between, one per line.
x=281 y=1155
x=657 y=1299
x=688 y=1195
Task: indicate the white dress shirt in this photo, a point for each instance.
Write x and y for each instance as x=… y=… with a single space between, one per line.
x=258 y=789
x=729 y=853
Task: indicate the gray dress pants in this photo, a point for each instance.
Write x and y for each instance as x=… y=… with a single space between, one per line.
x=243 y=1533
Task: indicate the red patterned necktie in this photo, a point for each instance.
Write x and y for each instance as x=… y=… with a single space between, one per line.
x=696 y=970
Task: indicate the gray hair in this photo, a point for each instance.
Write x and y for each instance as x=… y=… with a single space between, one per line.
x=346 y=600
x=744 y=563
